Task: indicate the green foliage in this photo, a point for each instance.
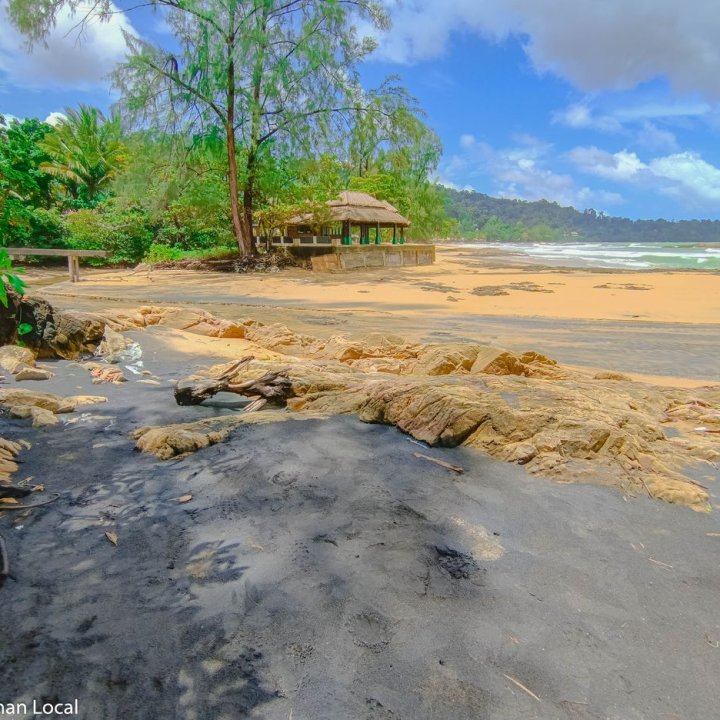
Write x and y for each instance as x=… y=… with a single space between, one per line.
x=84 y=152
x=26 y=214
x=158 y=252
x=479 y=215
x=8 y=277
x=127 y=235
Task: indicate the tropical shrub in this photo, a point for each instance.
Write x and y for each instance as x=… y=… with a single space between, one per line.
x=8 y=277
x=126 y=235
x=162 y=253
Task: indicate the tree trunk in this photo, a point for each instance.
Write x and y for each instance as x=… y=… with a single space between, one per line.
x=248 y=194
x=242 y=237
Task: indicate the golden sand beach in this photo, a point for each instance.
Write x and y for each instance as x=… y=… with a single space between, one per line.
x=656 y=325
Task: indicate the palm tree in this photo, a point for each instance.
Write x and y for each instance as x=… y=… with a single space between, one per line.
x=86 y=152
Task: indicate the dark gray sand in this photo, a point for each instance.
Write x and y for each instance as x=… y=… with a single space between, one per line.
x=322 y=572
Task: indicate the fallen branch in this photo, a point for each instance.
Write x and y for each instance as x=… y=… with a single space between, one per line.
x=13 y=491
x=193 y=390
x=273 y=387
x=522 y=687
x=449 y=466
x=5 y=508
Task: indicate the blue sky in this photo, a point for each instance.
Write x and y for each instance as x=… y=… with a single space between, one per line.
x=613 y=105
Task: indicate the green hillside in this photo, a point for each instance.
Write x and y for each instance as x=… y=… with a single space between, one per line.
x=479 y=216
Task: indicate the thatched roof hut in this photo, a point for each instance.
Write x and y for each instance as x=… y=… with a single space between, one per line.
x=358 y=208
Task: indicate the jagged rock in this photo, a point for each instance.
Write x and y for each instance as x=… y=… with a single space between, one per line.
x=42 y=407
x=171 y=440
x=191 y=320
x=41 y=417
x=51 y=333
x=113 y=345
x=33 y=373
x=494 y=361
x=74 y=334
x=14 y=358
x=9 y=450
x=446 y=359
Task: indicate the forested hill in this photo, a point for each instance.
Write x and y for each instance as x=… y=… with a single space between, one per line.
x=481 y=216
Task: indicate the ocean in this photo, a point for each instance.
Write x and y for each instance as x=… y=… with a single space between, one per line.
x=631 y=256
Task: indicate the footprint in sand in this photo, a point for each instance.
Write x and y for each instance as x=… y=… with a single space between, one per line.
x=370 y=629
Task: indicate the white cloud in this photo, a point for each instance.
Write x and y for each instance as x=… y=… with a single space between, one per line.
x=467 y=141
x=684 y=174
x=652 y=137
x=692 y=177
x=55 y=118
x=621 y=166
x=70 y=59
x=613 y=44
x=580 y=116
x=521 y=172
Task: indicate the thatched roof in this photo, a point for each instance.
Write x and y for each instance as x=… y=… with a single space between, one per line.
x=357 y=207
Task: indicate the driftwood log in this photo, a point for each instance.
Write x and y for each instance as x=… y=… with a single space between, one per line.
x=272 y=387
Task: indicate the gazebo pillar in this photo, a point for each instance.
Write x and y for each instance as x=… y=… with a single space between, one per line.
x=402 y=235
x=378 y=238
x=394 y=240
x=346 y=239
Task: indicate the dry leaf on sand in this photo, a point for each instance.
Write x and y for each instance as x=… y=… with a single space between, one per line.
x=184 y=499
x=112 y=537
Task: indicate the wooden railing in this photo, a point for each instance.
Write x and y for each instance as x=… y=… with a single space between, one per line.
x=73 y=256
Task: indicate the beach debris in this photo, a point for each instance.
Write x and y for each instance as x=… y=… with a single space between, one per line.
x=104 y=373
x=442 y=463
x=525 y=688
x=273 y=387
x=111 y=537
x=623 y=286
x=458 y=564
x=116 y=348
x=497 y=290
x=13 y=504
x=13 y=491
x=269 y=262
x=184 y=499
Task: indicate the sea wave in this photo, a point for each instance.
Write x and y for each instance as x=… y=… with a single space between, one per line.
x=640 y=256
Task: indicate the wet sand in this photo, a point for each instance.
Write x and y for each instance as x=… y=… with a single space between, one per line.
x=321 y=571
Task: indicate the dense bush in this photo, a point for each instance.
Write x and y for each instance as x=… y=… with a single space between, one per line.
x=126 y=235
x=190 y=228
x=22 y=225
x=162 y=253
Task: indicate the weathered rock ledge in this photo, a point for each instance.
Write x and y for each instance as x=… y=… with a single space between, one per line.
x=522 y=408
